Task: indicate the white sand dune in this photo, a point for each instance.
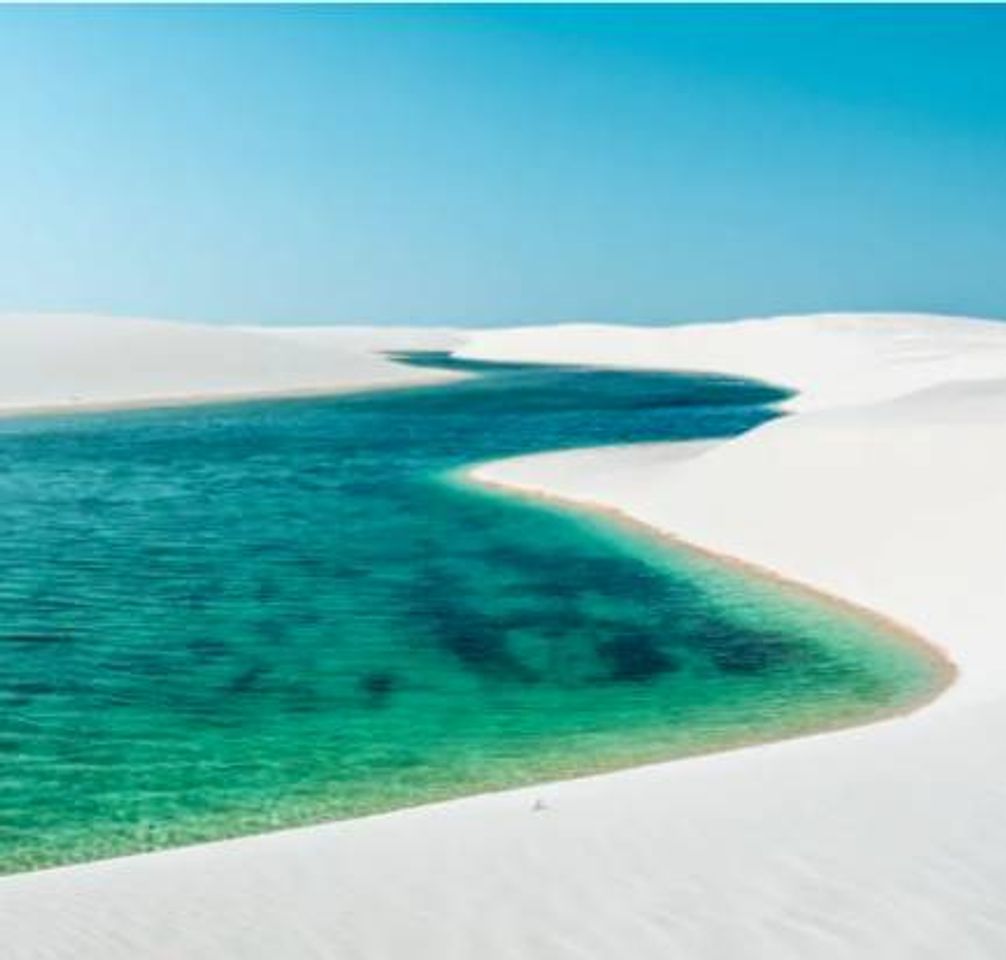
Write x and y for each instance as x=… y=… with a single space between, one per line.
x=884 y=842
x=831 y=359
x=371 y=339
x=56 y=361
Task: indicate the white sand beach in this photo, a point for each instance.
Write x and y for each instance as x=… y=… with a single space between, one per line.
x=885 y=489
x=52 y=362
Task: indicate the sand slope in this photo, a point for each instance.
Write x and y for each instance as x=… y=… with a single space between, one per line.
x=370 y=339
x=51 y=361
x=832 y=359
x=882 y=842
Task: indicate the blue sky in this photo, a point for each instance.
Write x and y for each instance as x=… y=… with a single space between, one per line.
x=502 y=164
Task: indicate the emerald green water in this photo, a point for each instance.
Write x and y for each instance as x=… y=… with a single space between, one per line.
x=226 y=619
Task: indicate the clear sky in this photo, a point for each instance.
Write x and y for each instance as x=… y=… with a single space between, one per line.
x=502 y=164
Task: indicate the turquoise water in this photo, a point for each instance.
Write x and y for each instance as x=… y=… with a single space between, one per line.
x=225 y=619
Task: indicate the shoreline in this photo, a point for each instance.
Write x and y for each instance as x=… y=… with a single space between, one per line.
x=945 y=669
x=59 y=364
x=139 y=405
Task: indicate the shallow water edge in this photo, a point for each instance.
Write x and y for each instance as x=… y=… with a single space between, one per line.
x=945 y=670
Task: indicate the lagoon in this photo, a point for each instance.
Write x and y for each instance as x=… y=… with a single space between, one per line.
x=227 y=619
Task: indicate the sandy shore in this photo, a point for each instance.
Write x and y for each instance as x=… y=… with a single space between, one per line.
x=832 y=360
x=884 y=841
x=52 y=363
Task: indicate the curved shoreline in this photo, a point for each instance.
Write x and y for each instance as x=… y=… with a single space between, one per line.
x=945 y=669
